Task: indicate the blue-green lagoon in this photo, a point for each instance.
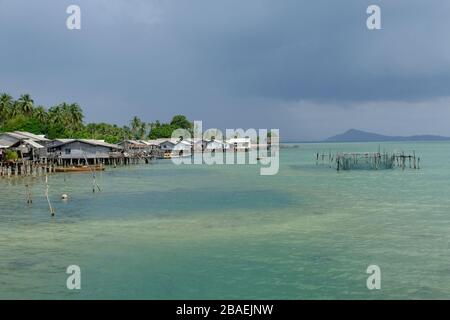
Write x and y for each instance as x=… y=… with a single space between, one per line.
x=162 y=231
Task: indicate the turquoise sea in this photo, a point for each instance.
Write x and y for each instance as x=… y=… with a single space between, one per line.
x=162 y=231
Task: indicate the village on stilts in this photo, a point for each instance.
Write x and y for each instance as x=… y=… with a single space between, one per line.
x=37 y=155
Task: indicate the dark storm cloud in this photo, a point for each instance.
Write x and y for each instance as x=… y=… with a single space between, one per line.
x=254 y=63
x=320 y=50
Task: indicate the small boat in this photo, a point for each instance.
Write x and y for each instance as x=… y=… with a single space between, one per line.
x=80 y=168
x=168 y=156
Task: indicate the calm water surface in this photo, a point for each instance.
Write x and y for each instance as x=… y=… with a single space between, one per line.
x=209 y=232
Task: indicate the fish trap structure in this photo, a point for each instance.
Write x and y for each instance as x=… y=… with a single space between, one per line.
x=369 y=160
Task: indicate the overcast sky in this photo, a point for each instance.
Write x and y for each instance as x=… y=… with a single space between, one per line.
x=310 y=68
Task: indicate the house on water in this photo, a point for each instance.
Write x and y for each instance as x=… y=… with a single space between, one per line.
x=151 y=145
x=217 y=145
x=167 y=147
x=240 y=144
x=200 y=145
x=175 y=148
x=182 y=149
x=133 y=145
x=141 y=148
x=84 y=151
x=13 y=137
x=28 y=145
x=140 y=145
x=30 y=150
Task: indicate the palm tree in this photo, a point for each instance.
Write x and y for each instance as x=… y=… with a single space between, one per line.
x=65 y=110
x=6 y=105
x=76 y=114
x=126 y=133
x=25 y=105
x=40 y=114
x=56 y=114
x=63 y=115
x=142 y=131
x=136 y=127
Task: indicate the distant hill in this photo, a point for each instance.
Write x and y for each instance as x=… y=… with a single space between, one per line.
x=354 y=135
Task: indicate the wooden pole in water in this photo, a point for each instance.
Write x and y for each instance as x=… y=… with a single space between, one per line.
x=94 y=180
x=29 y=199
x=52 y=210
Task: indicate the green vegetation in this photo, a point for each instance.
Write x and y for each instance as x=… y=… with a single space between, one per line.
x=11 y=155
x=66 y=121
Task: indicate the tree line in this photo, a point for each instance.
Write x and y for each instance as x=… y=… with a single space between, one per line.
x=66 y=120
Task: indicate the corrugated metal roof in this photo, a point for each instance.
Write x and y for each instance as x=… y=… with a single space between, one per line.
x=14 y=135
x=88 y=141
x=131 y=141
x=5 y=144
x=239 y=140
x=162 y=140
x=102 y=143
x=33 y=136
x=34 y=144
x=168 y=141
x=21 y=135
x=65 y=140
x=149 y=142
x=29 y=135
x=186 y=143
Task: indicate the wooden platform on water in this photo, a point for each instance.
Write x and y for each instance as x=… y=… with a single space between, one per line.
x=369 y=160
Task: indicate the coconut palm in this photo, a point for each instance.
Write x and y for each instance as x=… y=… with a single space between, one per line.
x=25 y=105
x=76 y=115
x=40 y=114
x=56 y=115
x=142 y=130
x=137 y=127
x=126 y=133
x=6 y=106
x=64 y=115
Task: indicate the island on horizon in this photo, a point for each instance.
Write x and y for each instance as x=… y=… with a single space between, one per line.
x=354 y=135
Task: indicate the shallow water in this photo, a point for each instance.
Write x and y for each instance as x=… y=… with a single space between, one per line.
x=208 y=232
